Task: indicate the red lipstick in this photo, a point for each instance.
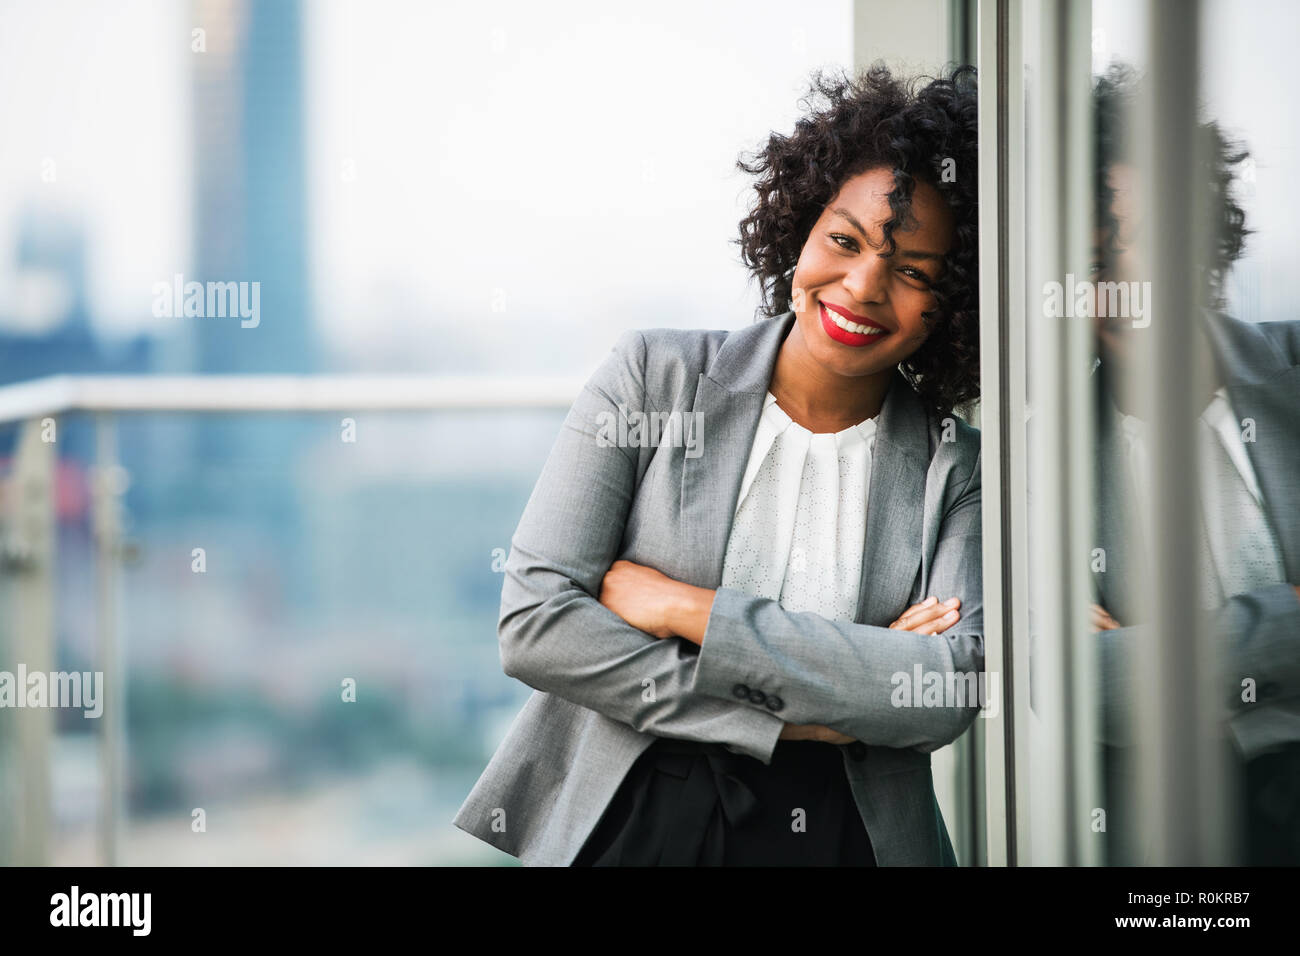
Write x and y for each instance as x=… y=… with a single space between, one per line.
x=845 y=336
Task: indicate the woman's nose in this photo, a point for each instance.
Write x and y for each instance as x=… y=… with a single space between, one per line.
x=866 y=281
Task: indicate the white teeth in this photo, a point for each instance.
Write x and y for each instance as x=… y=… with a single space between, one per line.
x=848 y=326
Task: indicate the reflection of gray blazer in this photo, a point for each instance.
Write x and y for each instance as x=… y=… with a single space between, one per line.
x=605 y=689
x=1260 y=630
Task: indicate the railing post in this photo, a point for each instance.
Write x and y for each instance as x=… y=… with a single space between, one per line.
x=27 y=638
x=110 y=482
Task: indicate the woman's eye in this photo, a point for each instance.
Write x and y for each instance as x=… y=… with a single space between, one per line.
x=844 y=242
x=914 y=273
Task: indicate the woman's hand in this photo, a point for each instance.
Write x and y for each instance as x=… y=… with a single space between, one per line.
x=813 y=732
x=655 y=603
x=1101 y=619
x=930 y=616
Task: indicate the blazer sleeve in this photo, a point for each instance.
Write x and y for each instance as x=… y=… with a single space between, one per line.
x=1259 y=638
x=554 y=633
x=858 y=678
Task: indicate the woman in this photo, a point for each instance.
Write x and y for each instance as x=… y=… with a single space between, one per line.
x=747 y=584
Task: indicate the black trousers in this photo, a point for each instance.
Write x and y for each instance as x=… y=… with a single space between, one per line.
x=691 y=804
x=1272 y=805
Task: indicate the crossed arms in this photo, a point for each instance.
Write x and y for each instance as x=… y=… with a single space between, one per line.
x=556 y=636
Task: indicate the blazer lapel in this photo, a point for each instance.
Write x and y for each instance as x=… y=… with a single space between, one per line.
x=729 y=401
x=1275 y=456
x=895 y=506
x=1262 y=386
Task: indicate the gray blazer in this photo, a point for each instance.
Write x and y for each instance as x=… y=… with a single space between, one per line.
x=605 y=690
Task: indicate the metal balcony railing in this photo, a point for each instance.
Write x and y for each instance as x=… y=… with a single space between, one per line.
x=27 y=534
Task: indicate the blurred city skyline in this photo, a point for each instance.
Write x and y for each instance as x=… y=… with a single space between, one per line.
x=492 y=189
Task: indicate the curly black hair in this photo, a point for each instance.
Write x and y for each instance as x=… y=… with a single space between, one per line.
x=1114 y=96
x=923 y=133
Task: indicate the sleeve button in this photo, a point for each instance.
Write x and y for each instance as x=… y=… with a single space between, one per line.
x=740 y=691
x=775 y=703
x=756 y=696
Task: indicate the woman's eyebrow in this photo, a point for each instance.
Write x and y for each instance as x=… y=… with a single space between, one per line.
x=905 y=253
x=853 y=221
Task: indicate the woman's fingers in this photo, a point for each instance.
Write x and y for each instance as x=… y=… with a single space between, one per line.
x=905 y=619
x=930 y=616
x=1101 y=619
x=941 y=624
x=813 y=732
x=826 y=735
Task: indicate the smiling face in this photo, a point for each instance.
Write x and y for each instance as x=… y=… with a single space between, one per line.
x=859 y=312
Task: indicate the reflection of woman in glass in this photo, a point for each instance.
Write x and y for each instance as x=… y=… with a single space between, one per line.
x=752 y=618
x=1249 y=509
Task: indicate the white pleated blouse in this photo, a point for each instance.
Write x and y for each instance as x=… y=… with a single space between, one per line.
x=801 y=517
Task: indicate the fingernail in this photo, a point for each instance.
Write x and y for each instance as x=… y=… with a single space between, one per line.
x=950 y=616
x=928 y=601
x=952 y=602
